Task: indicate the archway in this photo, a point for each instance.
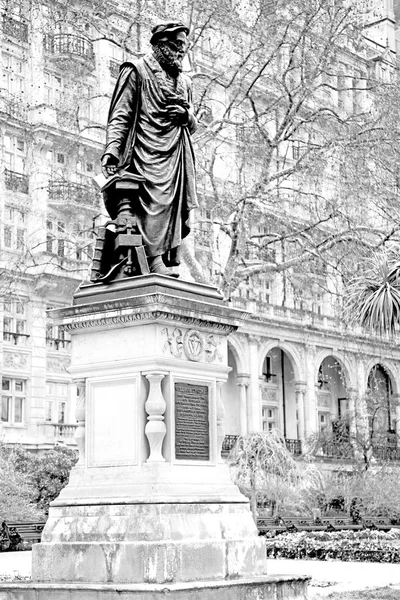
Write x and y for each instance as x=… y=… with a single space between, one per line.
x=332 y=396
x=380 y=406
x=278 y=398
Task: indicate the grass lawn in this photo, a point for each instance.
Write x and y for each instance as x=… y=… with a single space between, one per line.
x=386 y=593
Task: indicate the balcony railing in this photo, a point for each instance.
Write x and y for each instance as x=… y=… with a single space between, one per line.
x=58 y=343
x=228 y=443
x=69 y=46
x=17 y=182
x=386 y=452
x=337 y=450
x=18 y=339
x=13 y=108
x=67 y=192
x=294 y=446
x=15 y=29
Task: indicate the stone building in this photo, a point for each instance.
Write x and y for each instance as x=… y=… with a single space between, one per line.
x=294 y=367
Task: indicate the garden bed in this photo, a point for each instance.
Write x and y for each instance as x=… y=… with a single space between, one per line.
x=359 y=546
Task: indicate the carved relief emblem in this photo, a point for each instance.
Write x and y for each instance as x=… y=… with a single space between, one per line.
x=174 y=342
x=211 y=348
x=268 y=394
x=14 y=360
x=57 y=365
x=193 y=344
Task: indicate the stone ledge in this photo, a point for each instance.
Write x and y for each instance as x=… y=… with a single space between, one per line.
x=284 y=587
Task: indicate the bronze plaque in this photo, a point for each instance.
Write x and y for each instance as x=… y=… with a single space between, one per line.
x=192 y=433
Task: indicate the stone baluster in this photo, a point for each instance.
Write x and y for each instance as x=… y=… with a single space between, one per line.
x=220 y=421
x=155 y=406
x=80 y=415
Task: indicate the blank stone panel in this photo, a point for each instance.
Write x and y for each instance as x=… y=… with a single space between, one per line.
x=113 y=418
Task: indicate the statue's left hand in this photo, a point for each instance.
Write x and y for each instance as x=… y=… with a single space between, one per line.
x=178 y=114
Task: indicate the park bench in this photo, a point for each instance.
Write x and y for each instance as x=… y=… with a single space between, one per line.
x=377 y=523
x=301 y=524
x=339 y=524
x=19 y=533
x=265 y=524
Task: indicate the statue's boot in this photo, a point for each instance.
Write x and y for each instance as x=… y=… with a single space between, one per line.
x=157 y=266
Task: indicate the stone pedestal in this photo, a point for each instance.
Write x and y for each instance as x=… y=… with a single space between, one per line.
x=150 y=507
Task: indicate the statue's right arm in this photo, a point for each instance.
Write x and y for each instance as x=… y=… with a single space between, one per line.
x=121 y=117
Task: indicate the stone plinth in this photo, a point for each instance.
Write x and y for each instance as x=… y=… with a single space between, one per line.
x=257 y=588
x=150 y=508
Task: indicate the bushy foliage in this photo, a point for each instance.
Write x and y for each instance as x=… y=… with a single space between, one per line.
x=17 y=494
x=265 y=470
x=29 y=482
x=365 y=545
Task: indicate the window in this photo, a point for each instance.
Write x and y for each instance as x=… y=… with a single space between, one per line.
x=14 y=229
x=56 y=337
x=55 y=239
x=54 y=88
x=12 y=401
x=14 y=153
x=324 y=421
x=60 y=158
x=56 y=401
x=13 y=79
x=14 y=322
x=268 y=418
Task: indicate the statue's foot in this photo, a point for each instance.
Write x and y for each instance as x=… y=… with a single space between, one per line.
x=157 y=266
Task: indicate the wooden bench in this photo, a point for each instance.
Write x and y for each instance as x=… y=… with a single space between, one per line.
x=301 y=524
x=265 y=524
x=339 y=524
x=18 y=533
x=377 y=523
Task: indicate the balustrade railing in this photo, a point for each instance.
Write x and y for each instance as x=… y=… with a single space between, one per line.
x=15 y=29
x=68 y=191
x=17 y=182
x=61 y=430
x=64 y=45
x=228 y=443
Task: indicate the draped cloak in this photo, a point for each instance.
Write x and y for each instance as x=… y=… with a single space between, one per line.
x=145 y=142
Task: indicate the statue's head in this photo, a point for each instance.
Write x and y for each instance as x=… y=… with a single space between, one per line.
x=169 y=41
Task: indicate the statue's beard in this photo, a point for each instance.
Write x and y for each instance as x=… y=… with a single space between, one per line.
x=170 y=60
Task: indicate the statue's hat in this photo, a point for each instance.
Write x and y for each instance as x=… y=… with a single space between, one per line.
x=166 y=29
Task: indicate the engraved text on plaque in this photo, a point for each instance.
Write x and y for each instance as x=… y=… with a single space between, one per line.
x=192 y=435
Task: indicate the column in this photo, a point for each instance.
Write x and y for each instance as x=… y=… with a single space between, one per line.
x=396 y=402
x=352 y=398
x=310 y=400
x=243 y=384
x=254 y=408
x=80 y=415
x=300 y=391
x=220 y=421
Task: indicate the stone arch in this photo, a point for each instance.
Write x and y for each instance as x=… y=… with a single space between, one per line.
x=390 y=369
x=292 y=352
x=241 y=357
x=348 y=369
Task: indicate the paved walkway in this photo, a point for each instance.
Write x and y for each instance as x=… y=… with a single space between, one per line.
x=342 y=575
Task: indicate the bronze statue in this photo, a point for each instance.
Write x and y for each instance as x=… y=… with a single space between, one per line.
x=149 y=129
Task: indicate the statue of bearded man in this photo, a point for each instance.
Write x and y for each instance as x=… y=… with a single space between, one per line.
x=149 y=129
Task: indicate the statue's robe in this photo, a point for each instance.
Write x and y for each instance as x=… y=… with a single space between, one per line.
x=145 y=142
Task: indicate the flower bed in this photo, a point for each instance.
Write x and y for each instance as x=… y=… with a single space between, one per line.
x=360 y=546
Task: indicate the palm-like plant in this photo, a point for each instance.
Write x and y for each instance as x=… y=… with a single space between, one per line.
x=373 y=298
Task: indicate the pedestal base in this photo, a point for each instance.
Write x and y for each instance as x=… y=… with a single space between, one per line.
x=153 y=543
x=255 y=588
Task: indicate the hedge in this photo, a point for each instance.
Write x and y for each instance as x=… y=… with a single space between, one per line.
x=359 y=546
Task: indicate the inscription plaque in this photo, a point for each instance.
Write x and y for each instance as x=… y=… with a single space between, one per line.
x=192 y=434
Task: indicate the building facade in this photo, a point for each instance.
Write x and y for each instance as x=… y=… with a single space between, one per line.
x=295 y=365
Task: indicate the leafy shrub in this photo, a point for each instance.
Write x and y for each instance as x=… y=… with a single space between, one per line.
x=365 y=545
x=29 y=482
